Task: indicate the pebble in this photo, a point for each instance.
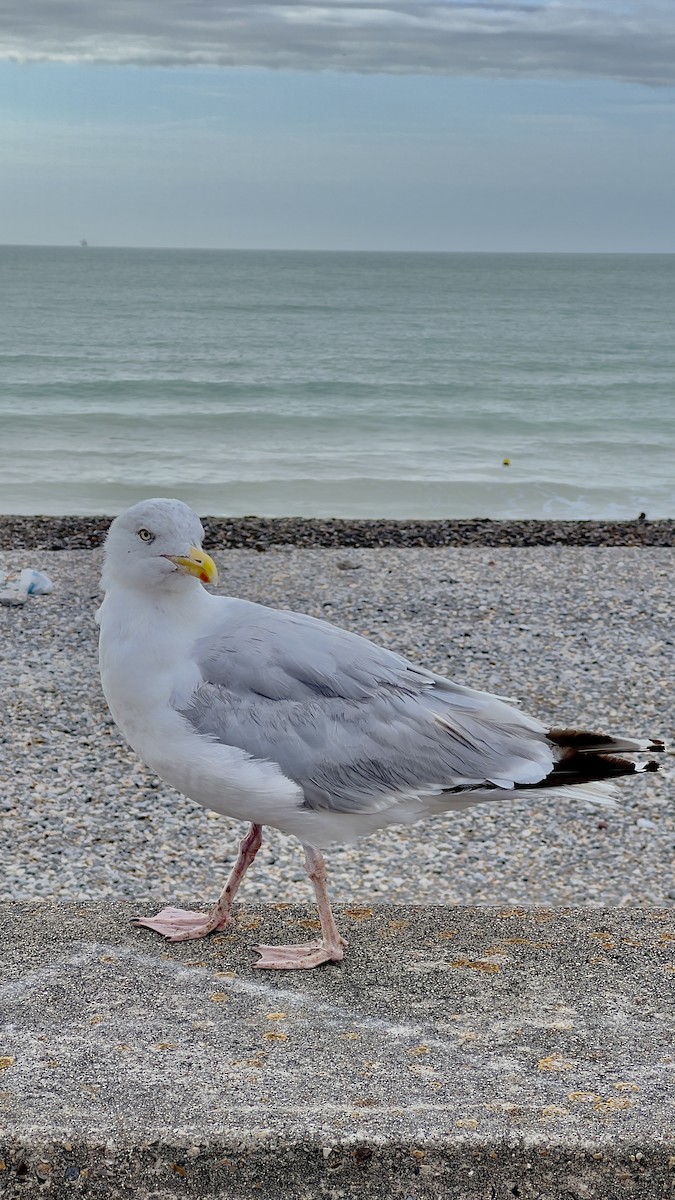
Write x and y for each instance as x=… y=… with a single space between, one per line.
x=580 y=634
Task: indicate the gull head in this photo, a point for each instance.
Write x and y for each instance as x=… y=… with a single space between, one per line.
x=157 y=544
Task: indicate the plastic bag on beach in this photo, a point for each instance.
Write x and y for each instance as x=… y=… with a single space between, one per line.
x=16 y=588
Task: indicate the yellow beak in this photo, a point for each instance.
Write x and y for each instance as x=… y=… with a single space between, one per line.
x=197 y=562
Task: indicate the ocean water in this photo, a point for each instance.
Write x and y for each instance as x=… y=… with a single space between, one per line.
x=338 y=384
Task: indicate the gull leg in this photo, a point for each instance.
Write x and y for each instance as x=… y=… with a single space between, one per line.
x=179 y=925
x=311 y=954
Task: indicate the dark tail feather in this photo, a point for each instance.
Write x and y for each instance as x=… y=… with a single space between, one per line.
x=589 y=757
x=602 y=743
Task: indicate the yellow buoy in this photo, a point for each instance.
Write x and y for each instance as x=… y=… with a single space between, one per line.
x=506 y=462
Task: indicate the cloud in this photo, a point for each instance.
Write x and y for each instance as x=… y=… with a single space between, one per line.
x=627 y=40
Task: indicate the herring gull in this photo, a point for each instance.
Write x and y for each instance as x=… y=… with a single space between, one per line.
x=276 y=718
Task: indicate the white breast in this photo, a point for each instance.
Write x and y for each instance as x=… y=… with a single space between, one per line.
x=147 y=673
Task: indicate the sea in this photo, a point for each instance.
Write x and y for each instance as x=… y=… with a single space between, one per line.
x=357 y=385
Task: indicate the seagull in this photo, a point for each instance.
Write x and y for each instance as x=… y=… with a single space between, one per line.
x=276 y=718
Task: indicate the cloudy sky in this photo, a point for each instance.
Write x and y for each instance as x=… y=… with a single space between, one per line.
x=446 y=125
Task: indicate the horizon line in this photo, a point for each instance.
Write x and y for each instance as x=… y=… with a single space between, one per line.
x=78 y=245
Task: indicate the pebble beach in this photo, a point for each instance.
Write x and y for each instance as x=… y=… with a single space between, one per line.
x=581 y=634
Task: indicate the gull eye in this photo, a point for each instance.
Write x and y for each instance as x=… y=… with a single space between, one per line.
x=145 y=535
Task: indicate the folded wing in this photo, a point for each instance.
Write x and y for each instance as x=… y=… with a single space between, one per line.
x=356 y=726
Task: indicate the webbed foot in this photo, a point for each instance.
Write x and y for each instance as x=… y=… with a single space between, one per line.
x=299 y=958
x=179 y=925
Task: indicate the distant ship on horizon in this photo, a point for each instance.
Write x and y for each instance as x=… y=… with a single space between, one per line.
x=84 y=242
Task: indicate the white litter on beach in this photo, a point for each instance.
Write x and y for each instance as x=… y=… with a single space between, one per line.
x=15 y=589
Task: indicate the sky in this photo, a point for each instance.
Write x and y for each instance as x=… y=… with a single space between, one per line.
x=546 y=125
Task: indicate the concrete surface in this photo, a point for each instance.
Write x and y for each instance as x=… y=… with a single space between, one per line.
x=455 y=1053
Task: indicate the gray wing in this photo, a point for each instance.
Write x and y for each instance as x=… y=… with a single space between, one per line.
x=353 y=724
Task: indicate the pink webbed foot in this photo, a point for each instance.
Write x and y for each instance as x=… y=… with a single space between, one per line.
x=299 y=958
x=179 y=925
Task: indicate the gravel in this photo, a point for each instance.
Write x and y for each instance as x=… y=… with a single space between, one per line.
x=581 y=635
x=263 y=533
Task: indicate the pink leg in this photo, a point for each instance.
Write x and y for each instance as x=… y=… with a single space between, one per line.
x=179 y=925
x=311 y=954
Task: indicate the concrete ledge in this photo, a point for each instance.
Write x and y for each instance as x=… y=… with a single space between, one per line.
x=456 y=1053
